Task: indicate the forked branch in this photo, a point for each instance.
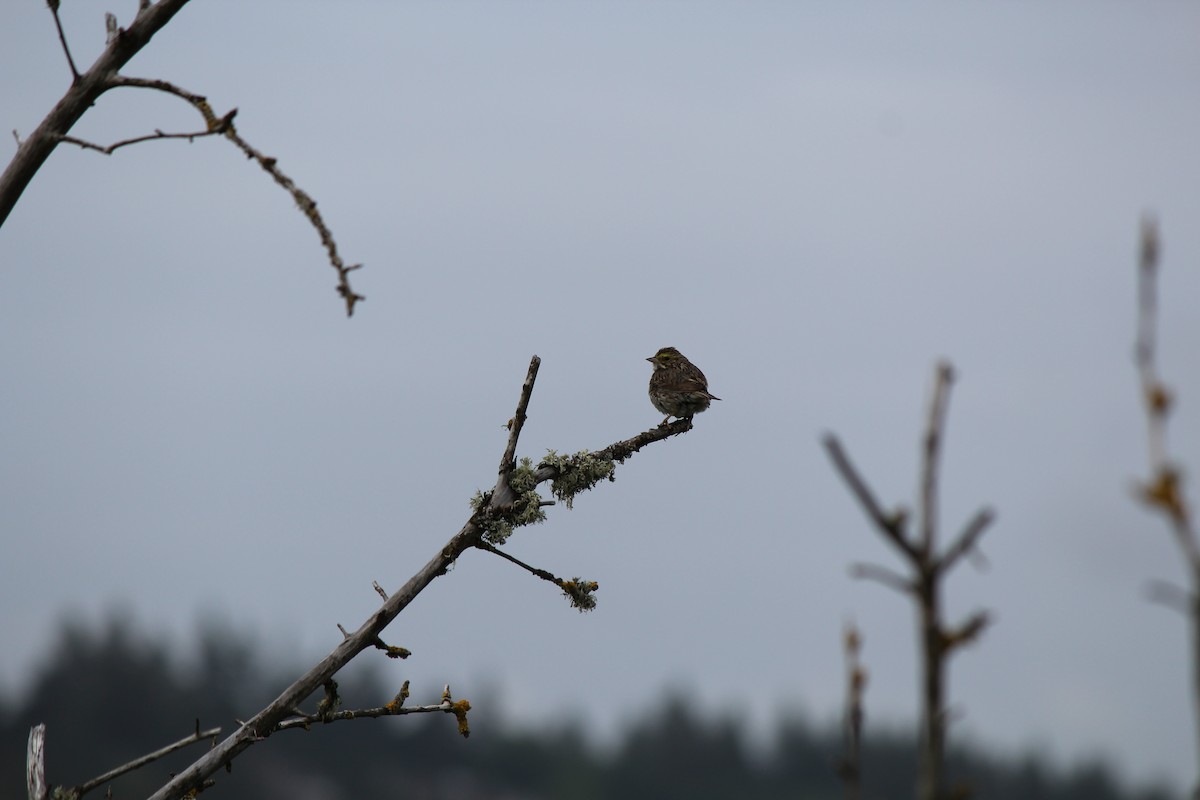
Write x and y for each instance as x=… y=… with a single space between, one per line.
x=927 y=568
x=501 y=501
x=103 y=76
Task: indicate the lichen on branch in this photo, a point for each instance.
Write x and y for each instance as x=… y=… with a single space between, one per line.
x=576 y=473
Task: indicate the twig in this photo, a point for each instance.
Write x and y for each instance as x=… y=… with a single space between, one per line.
x=931 y=455
x=81 y=96
x=108 y=150
x=197 y=736
x=508 y=461
x=577 y=590
x=104 y=75
x=874 y=572
x=965 y=543
x=392 y=709
x=540 y=573
x=890 y=525
x=303 y=200
x=62 y=38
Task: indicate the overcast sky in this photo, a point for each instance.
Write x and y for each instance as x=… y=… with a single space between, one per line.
x=814 y=202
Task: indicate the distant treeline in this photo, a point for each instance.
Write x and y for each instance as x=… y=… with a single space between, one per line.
x=107 y=696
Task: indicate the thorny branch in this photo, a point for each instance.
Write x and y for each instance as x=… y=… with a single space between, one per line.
x=62 y=38
x=927 y=568
x=932 y=450
x=84 y=91
x=103 y=76
x=395 y=708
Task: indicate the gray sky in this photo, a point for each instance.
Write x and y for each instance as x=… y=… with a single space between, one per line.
x=812 y=201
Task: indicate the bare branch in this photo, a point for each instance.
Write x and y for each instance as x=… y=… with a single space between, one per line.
x=890 y=525
x=577 y=590
x=303 y=200
x=931 y=453
x=196 y=736
x=966 y=540
x=535 y=571
x=968 y=631
x=81 y=96
x=883 y=575
x=508 y=461
x=392 y=709
x=103 y=76
x=62 y=38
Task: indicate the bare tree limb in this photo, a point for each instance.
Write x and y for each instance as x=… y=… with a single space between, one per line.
x=308 y=206
x=197 y=736
x=108 y=150
x=535 y=571
x=62 y=38
x=577 y=590
x=966 y=540
x=268 y=720
x=508 y=461
x=103 y=76
x=890 y=525
x=392 y=709
x=890 y=579
x=82 y=94
x=931 y=453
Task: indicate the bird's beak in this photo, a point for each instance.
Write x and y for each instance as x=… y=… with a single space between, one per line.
x=650 y=359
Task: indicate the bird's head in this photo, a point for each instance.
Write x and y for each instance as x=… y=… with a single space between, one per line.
x=666 y=357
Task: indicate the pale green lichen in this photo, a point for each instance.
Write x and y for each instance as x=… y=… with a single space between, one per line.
x=526 y=508
x=576 y=473
x=579 y=592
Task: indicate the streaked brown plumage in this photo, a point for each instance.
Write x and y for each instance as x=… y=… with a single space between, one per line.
x=677 y=386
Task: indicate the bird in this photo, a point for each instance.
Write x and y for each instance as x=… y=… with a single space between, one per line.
x=677 y=386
